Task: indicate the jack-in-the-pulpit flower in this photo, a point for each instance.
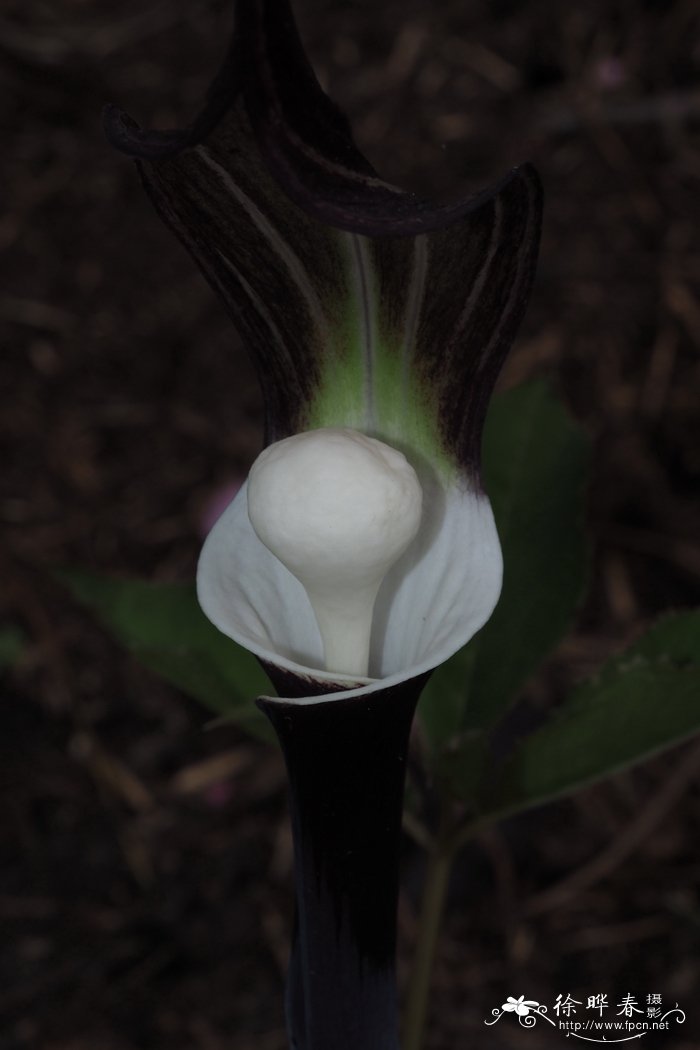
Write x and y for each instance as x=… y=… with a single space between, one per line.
x=367 y=310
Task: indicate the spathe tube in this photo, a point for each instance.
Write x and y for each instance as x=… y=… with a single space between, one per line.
x=346 y=762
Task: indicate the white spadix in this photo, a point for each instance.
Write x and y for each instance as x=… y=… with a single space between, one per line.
x=337 y=508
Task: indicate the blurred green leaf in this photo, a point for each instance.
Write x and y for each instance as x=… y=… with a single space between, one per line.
x=164 y=627
x=535 y=462
x=462 y=765
x=641 y=702
x=12 y=642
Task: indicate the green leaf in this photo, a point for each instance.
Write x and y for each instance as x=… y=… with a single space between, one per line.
x=164 y=627
x=12 y=642
x=641 y=702
x=442 y=701
x=463 y=763
x=535 y=463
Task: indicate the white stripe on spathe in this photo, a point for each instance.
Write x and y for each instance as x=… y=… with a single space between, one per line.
x=261 y=311
x=365 y=298
x=280 y=247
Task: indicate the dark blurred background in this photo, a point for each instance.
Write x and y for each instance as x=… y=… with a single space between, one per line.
x=145 y=890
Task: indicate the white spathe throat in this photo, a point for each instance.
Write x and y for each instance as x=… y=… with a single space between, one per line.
x=441 y=588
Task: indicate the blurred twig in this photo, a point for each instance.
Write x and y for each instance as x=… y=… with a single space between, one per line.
x=667 y=107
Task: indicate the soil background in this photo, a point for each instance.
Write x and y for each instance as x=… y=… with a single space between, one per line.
x=145 y=888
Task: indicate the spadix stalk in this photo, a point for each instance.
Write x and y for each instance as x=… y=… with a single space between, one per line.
x=337 y=508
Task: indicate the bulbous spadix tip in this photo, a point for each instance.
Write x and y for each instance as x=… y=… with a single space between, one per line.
x=338 y=508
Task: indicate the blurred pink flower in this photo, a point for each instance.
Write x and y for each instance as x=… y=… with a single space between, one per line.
x=219 y=794
x=216 y=503
x=610 y=73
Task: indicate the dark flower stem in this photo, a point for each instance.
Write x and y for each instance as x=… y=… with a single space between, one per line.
x=346 y=762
